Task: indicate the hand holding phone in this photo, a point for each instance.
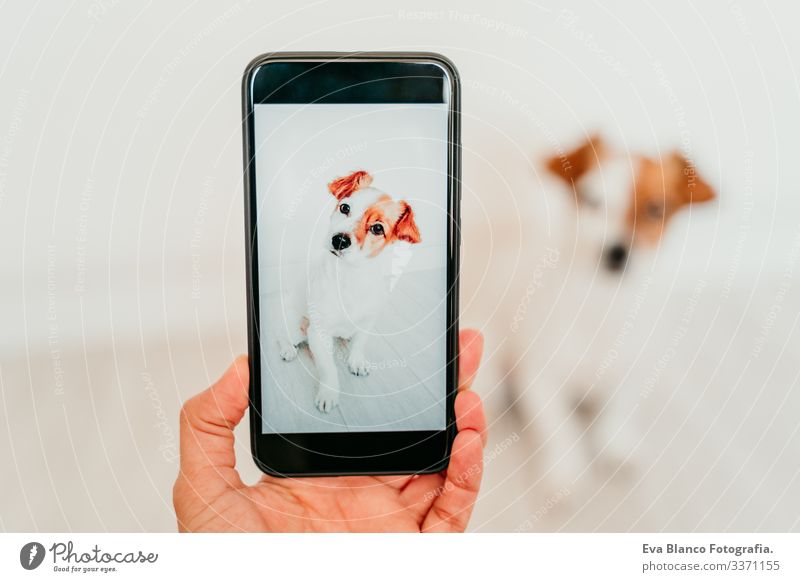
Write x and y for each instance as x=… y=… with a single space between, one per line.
x=209 y=494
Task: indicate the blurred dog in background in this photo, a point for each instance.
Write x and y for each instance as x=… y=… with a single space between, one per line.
x=558 y=364
x=624 y=202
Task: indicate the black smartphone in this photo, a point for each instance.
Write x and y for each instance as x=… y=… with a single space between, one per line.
x=352 y=190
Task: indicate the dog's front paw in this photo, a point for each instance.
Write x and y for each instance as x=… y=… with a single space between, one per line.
x=358 y=365
x=326 y=399
x=288 y=351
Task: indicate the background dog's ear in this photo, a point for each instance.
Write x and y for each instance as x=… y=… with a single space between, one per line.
x=689 y=185
x=406 y=228
x=344 y=187
x=574 y=164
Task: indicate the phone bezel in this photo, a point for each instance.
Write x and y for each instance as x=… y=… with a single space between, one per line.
x=352 y=453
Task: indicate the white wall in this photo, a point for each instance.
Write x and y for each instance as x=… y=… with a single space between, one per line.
x=121 y=126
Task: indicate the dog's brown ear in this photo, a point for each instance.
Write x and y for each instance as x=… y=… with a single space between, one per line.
x=344 y=187
x=405 y=228
x=690 y=187
x=574 y=164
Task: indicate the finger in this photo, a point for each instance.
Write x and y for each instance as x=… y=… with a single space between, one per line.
x=452 y=507
x=470 y=350
x=420 y=492
x=396 y=481
x=208 y=419
x=470 y=415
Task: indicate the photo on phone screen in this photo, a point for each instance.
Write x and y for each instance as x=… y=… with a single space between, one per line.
x=352 y=216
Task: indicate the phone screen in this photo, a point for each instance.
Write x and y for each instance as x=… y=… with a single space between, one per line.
x=352 y=220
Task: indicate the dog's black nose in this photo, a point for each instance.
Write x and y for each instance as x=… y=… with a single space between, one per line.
x=616 y=257
x=340 y=241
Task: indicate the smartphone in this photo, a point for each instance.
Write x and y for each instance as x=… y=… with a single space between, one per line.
x=352 y=190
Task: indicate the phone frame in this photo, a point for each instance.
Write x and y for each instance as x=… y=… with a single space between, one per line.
x=352 y=453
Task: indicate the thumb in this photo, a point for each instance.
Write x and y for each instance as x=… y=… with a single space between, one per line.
x=207 y=423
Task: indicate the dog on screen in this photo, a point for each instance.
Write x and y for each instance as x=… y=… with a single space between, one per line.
x=346 y=291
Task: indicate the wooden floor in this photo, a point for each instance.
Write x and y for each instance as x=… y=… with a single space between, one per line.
x=405 y=388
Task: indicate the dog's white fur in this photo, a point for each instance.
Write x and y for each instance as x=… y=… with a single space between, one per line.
x=346 y=290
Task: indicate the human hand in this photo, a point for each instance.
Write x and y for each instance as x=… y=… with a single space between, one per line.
x=209 y=495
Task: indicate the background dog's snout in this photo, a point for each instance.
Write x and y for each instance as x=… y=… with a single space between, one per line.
x=340 y=241
x=616 y=257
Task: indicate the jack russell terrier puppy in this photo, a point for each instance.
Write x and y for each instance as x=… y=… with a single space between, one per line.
x=564 y=357
x=346 y=290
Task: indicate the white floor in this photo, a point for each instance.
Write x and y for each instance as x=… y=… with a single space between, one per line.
x=102 y=454
x=404 y=390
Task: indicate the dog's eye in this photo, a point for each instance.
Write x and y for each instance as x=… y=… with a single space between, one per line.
x=376 y=229
x=591 y=202
x=345 y=209
x=588 y=199
x=655 y=210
